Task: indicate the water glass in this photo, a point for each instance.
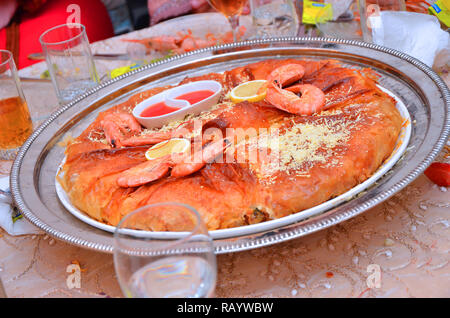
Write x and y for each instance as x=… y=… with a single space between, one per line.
x=344 y=23
x=69 y=60
x=274 y=18
x=15 y=121
x=369 y=11
x=164 y=250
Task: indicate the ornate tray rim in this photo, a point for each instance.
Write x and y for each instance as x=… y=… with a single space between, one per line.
x=259 y=239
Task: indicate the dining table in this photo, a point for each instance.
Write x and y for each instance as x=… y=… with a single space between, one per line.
x=405 y=238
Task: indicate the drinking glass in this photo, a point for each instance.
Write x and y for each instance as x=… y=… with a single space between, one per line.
x=369 y=11
x=69 y=60
x=164 y=250
x=231 y=9
x=345 y=22
x=15 y=121
x=272 y=18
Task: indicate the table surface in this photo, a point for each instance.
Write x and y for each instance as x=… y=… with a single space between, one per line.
x=406 y=237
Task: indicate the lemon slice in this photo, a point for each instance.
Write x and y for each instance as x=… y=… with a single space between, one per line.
x=174 y=145
x=248 y=91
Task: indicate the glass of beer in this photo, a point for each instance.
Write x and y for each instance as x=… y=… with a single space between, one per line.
x=69 y=60
x=15 y=121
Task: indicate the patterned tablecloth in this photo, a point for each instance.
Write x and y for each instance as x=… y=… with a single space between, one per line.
x=404 y=241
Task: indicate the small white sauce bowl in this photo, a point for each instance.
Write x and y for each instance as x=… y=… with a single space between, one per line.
x=168 y=97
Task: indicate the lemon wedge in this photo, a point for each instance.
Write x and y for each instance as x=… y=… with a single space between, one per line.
x=168 y=147
x=248 y=91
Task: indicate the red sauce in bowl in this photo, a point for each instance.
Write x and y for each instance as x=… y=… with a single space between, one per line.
x=158 y=109
x=162 y=108
x=196 y=96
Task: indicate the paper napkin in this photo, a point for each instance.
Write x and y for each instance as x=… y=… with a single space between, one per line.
x=10 y=218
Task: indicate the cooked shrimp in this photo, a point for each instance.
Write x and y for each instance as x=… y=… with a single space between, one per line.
x=186 y=129
x=184 y=41
x=159 y=43
x=112 y=133
x=126 y=120
x=147 y=139
x=312 y=98
x=209 y=153
x=115 y=125
x=144 y=173
x=311 y=101
x=286 y=74
x=181 y=164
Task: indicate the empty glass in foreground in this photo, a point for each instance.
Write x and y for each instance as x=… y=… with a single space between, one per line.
x=164 y=250
x=69 y=60
x=15 y=121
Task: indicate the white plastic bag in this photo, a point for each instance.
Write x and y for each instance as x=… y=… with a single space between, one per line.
x=416 y=34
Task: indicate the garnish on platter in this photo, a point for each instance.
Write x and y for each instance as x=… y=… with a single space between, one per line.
x=168 y=147
x=251 y=91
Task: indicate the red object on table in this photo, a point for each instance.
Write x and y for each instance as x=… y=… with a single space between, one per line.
x=93 y=14
x=439 y=173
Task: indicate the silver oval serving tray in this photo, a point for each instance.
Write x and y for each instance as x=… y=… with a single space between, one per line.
x=425 y=95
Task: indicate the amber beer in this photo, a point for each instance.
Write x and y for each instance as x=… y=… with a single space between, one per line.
x=15 y=123
x=228 y=7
